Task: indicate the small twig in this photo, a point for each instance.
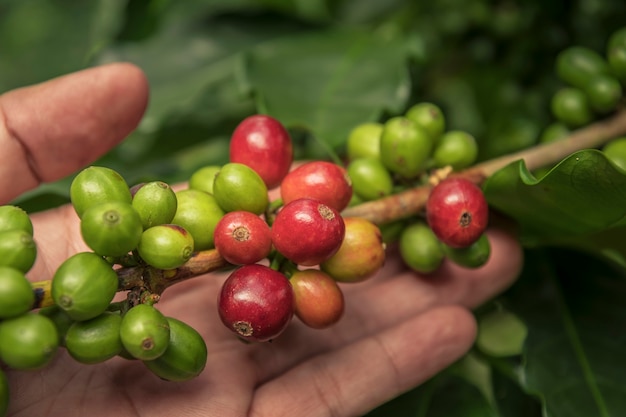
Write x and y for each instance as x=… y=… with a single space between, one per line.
x=412 y=201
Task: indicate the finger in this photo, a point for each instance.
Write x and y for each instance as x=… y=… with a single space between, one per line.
x=50 y=130
x=362 y=375
x=393 y=296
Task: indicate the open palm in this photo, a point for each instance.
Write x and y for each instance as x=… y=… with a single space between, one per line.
x=399 y=328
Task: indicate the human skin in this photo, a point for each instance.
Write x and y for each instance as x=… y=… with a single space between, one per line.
x=399 y=328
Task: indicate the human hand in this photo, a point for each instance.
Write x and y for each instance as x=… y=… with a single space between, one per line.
x=398 y=330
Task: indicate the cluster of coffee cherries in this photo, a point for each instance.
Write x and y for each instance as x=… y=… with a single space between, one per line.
x=286 y=256
x=416 y=149
x=593 y=85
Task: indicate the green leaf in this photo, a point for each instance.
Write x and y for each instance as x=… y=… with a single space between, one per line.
x=446 y=395
x=573 y=306
x=583 y=194
x=329 y=81
x=511 y=400
x=42 y=39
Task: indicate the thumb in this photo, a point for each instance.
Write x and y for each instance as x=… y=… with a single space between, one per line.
x=52 y=129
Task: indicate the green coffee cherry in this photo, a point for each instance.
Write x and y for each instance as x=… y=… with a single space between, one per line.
x=4 y=394
x=616 y=54
x=615 y=151
x=364 y=141
x=203 y=178
x=429 y=117
x=144 y=332
x=95 y=340
x=61 y=320
x=604 y=93
x=554 y=131
x=17 y=250
x=84 y=286
x=576 y=65
x=617 y=61
x=95 y=185
x=473 y=256
x=420 y=249
x=185 y=356
x=111 y=229
x=457 y=149
x=370 y=179
x=156 y=203
x=13 y=217
x=404 y=147
x=238 y=187
x=166 y=246
x=571 y=106
x=16 y=293
x=28 y=341
x=198 y=213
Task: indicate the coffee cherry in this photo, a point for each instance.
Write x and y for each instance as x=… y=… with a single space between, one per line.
x=59 y=318
x=144 y=332
x=404 y=147
x=95 y=340
x=319 y=301
x=615 y=151
x=361 y=254
x=198 y=213
x=364 y=141
x=320 y=180
x=256 y=303
x=429 y=117
x=617 y=61
x=571 y=106
x=457 y=149
x=420 y=249
x=202 y=179
x=262 y=143
x=616 y=54
x=238 y=187
x=84 y=285
x=242 y=238
x=28 y=342
x=307 y=232
x=95 y=185
x=370 y=179
x=156 y=203
x=457 y=212
x=111 y=229
x=13 y=217
x=472 y=256
x=576 y=65
x=604 y=93
x=553 y=132
x=166 y=246
x=16 y=294
x=185 y=356
x=4 y=394
x=17 y=250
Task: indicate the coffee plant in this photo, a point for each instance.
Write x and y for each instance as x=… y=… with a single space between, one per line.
x=293 y=147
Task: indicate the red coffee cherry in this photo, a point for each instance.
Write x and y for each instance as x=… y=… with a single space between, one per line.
x=256 y=303
x=457 y=212
x=242 y=237
x=307 y=231
x=262 y=143
x=320 y=180
x=319 y=300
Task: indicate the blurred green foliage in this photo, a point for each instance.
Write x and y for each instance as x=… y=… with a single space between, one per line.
x=323 y=66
